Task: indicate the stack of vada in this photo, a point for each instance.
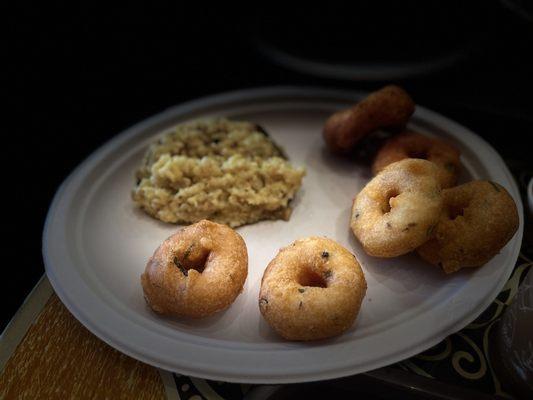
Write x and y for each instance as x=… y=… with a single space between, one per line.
x=413 y=203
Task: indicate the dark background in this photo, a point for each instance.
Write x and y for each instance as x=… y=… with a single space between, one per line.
x=76 y=76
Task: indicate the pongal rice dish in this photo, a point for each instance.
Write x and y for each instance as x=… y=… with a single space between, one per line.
x=229 y=172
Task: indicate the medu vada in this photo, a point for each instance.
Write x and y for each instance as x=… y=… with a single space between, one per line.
x=390 y=106
x=394 y=212
x=415 y=145
x=477 y=220
x=196 y=272
x=312 y=290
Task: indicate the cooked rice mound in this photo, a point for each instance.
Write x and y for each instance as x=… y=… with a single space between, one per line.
x=225 y=171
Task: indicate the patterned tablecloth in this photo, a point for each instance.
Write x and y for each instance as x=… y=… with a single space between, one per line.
x=46 y=353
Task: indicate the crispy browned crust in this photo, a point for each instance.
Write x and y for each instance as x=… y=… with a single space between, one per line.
x=390 y=106
x=477 y=221
x=396 y=210
x=415 y=145
x=298 y=309
x=196 y=272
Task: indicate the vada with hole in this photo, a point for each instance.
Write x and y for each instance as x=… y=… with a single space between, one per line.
x=397 y=210
x=198 y=271
x=389 y=107
x=312 y=290
x=477 y=220
x=415 y=145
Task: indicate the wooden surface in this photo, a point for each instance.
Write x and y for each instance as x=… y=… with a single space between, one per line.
x=60 y=359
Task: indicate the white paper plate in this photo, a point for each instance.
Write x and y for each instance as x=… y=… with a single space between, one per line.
x=96 y=244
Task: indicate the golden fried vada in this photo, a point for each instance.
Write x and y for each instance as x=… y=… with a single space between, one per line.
x=395 y=211
x=477 y=220
x=312 y=289
x=196 y=272
x=415 y=145
x=390 y=106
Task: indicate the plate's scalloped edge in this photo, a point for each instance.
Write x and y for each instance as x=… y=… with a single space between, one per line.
x=224 y=374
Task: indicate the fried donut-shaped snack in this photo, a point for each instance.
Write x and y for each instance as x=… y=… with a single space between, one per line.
x=312 y=289
x=196 y=272
x=477 y=220
x=395 y=211
x=390 y=106
x=415 y=145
